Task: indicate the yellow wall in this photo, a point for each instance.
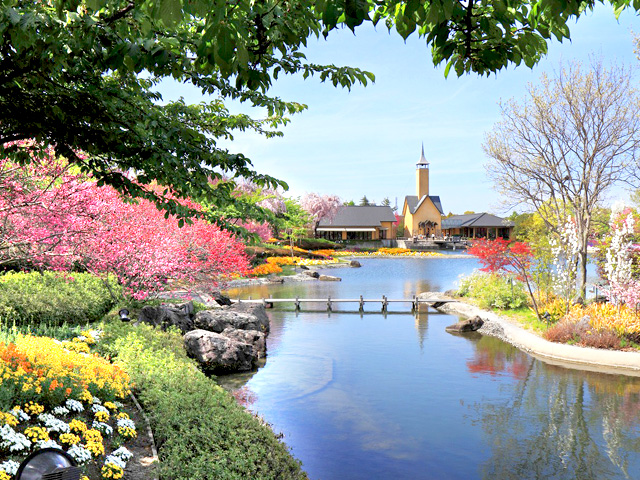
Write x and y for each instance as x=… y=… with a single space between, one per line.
x=422 y=182
x=427 y=211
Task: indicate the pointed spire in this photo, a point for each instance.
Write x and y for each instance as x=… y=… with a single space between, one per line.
x=423 y=161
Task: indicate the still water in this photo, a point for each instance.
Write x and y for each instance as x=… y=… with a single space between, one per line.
x=394 y=396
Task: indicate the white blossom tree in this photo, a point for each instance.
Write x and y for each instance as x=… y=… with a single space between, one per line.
x=320 y=207
x=561 y=149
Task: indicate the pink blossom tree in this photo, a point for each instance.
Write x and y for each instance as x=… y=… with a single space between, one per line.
x=320 y=207
x=57 y=219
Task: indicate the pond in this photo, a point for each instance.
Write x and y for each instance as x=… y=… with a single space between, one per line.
x=380 y=396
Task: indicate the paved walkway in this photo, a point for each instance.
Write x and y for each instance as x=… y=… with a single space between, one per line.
x=570 y=356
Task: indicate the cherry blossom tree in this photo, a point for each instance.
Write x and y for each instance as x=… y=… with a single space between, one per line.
x=623 y=287
x=54 y=218
x=320 y=207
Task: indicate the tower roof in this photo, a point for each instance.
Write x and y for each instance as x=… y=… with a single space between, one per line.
x=423 y=161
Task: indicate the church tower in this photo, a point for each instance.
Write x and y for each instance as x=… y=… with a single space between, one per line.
x=422 y=176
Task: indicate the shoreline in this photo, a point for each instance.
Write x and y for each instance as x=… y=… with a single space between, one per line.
x=568 y=356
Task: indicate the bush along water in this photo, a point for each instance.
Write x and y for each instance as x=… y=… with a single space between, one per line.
x=201 y=432
x=493 y=291
x=57 y=394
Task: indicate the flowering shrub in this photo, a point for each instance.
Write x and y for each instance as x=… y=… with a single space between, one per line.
x=48 y=393
x=266 y=269
x=282 y=260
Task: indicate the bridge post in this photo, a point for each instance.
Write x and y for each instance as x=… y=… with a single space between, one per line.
x=361 y=304
x=329 y=303
x=297 y=304
x=384 y=303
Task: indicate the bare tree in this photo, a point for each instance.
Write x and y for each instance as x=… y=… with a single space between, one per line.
x=562 y=148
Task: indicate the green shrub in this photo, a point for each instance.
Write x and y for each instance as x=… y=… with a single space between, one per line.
x=53 y=298
x=493 y=291
x=201 y=432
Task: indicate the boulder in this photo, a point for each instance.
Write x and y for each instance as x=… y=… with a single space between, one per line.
x=255 y=309
x=303 y=267
x=311 y=273
x=242 y=316
x=355 y=264
x=217 y=353
x=252 y=337
x=469 y=325
x=221 y=299
x=164 y=316
x=329 y=278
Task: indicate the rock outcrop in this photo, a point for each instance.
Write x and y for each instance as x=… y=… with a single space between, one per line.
x=469 y=325
x=217 y=353
x=165 y=316
x=329 y=278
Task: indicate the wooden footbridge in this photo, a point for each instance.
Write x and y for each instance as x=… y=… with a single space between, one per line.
x=329 y=302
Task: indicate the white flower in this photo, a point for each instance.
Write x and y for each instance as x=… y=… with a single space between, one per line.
x=12 y=440
x=126 y=422
x=95 y=408
x=61 y=410
x=79 y=454
x=116 y=461
x=20 y=414
x=74 y=405
x=123 y=453
x=118 y=404
x=53 y=424
x=97 y=400
x=10 y=467
x=102 y=427
x=48 y=444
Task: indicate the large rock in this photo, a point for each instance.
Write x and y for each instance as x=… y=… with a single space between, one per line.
x=329 y=278
x=164 y=316
x=256 y=309
x=469 y=325
x=311 y=273
x=252 y=337
x=221 y=299
x=238 y=316
x=355 y=264
x=217 y=353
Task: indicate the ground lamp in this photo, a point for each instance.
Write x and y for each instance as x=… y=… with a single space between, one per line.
x=124 y=315
x=48 y=464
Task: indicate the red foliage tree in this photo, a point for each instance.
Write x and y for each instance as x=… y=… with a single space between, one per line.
x=500 y=256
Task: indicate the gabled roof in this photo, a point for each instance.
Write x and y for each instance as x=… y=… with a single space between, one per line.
x=355 y=216
x=413 y=203
x=475 y=220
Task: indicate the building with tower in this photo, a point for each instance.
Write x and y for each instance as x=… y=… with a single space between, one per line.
x=422 y=212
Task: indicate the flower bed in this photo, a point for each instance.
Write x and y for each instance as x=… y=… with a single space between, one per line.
x=56 y=394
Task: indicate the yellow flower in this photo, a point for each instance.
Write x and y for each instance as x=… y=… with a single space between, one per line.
x=77 y=426
x=69 y=439
x=102 y=416
x=33 y=408
x=127 y=432
x=92 y=435
x=4 y=475
x=37 y=433
x=7 y=418
x=86 y=396
x=96 y=448
x=112 y=471
x=122 y=415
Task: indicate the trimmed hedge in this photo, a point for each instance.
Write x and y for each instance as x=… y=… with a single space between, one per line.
x=200 y=430
x=53 y=298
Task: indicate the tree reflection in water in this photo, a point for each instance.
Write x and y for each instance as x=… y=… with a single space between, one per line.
x=558 y=423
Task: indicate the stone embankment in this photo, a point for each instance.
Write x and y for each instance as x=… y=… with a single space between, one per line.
x=570 y=356
x=222 y=339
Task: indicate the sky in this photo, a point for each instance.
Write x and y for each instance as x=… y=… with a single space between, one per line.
x=367 y=141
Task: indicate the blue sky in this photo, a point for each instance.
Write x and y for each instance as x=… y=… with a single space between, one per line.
x=367 y=141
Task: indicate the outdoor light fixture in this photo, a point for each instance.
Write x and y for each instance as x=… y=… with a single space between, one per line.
x=124 y=315
x=48 y=464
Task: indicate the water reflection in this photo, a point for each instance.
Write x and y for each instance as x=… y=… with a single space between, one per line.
x=558 y=423
x=373 y=396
